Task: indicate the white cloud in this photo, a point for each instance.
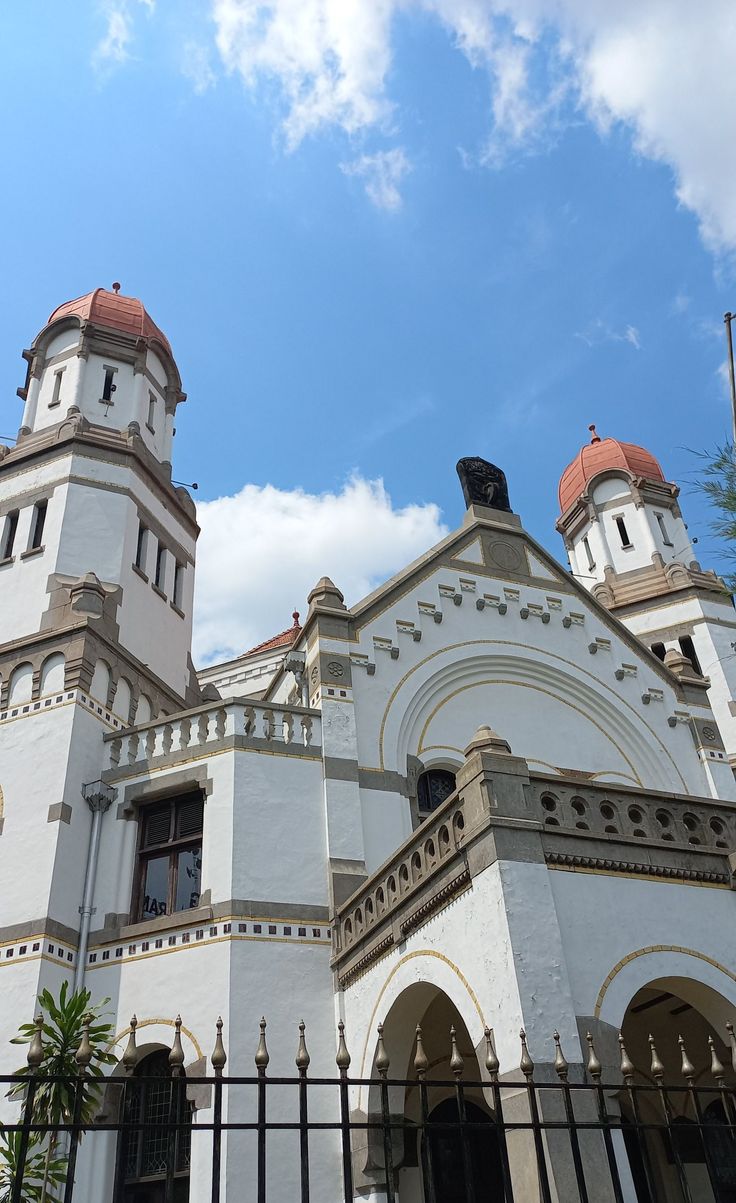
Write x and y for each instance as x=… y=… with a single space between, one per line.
x=113 y=47
x=262 y=550
x=196 y=66
x=598 y=332
x=382 y=173
x=663 y=68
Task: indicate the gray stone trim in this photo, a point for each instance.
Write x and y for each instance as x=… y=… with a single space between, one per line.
x=59 y=812
x=567 y=860
x=386 y=780
x=61 y=357
x=338 y=769
x=74 y=434
x=195 y=777
x=238 y=908
x=38 y=928
x=170 y=542
x=29 y=497
x=30 y=552
x=229 y=743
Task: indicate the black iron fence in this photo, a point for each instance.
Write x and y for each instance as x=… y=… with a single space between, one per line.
x=553 y=1131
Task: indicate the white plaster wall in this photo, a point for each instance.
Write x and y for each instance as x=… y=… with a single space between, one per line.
x=632 y=915
x=278 y=805
x=536 y=683
x=386 y=824
x=23 y=582
x=123 y=409
x=47 y=413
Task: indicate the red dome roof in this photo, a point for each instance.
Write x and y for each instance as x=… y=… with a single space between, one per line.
x=602 y=455
x=114 y=311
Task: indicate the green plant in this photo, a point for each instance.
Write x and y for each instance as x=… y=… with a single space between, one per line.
x=64 y=1021
x=718 y=483
x=36 y=1170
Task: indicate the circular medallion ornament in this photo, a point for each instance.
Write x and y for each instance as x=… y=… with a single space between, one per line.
x=708 y=732
x=314 y=675
x=335 y=668
x=506 y=556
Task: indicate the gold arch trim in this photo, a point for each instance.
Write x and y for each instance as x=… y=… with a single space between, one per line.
x=409 y=956
x=637 y=718
x=642 y=952
x=537 y=689
x=148 y=1023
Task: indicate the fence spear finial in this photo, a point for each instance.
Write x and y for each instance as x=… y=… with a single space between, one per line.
x=421 y=1064
x=687 y=1069
x=262 y=1058
x=130 y=1056
x=526 y=1065
x=457 y=1065
x=627 y=1065
x=716 y=1068
x=343 y=1056
x=302 y=1056
x=382 y=1061
x=561 y=1066
x=35 y=1048
x=219 y=1056
x=594 y=1065
x=732 y=1039
x=83 y=1055
x=492 y=1062
x=176 y=1056
x=656 y=1067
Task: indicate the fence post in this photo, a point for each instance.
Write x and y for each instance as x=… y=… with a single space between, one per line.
x=83 y=1056
x=34 y=1059
x=493 y=1066
x=594 y=1071
x=219 y=1060
x=526 y=1066
x=382 y=1066
x=343 y=1064
x=562 y=1070
x=176 y=1061
x=457 y=1065
x=262 y=1058
x=302 y=1065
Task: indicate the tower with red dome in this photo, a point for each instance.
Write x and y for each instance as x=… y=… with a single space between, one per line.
x=628 y=543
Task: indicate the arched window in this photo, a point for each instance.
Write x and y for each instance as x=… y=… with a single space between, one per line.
x=146 y=1152
x=433 y=787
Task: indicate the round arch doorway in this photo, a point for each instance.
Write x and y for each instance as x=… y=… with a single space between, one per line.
x=441 y=1148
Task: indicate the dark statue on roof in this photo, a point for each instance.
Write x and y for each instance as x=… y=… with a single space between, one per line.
x=483 y=483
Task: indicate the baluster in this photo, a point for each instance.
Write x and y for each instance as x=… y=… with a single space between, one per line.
x=287 y=727
x=249 y=717
x=220 y=723
x=167 y=738
x=185 y=733
x=203 y=728
x=114 y=753
x=133 y=742
x=307 y=730
x=268 y=724
x=150 y=742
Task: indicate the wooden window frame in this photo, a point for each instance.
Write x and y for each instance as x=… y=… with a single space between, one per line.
x=173 y=846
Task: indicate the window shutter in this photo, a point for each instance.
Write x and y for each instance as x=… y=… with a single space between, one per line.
x=157 y=825
x=189 y=818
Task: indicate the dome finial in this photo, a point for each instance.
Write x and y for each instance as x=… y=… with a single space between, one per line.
x=116 y=287
x=596 y=438
x=295 y=616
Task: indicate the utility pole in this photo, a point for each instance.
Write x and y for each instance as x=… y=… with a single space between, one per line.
x=728 y=318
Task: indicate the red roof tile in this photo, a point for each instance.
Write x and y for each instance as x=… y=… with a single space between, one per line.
x=114 y=311
x=602 y=455
x=284 y=639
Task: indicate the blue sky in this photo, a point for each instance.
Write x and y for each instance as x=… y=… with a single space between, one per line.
x=379 y=241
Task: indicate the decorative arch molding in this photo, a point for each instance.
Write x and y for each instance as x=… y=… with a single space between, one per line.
x=437 y=971
x=475 y=663
x=696 y=971
x=158 y=1036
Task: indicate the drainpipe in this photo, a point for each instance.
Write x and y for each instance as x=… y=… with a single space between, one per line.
x=98 y=797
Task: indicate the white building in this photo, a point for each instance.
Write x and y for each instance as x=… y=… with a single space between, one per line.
x=490 y=795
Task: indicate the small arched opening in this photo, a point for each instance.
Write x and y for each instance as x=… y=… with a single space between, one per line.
x=434 y=787
x=698 y=1163
x=432 y=1143
x=146 y=1152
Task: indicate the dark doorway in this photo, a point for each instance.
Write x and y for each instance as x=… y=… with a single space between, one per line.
x=146 y=1151
x=445 y=1146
